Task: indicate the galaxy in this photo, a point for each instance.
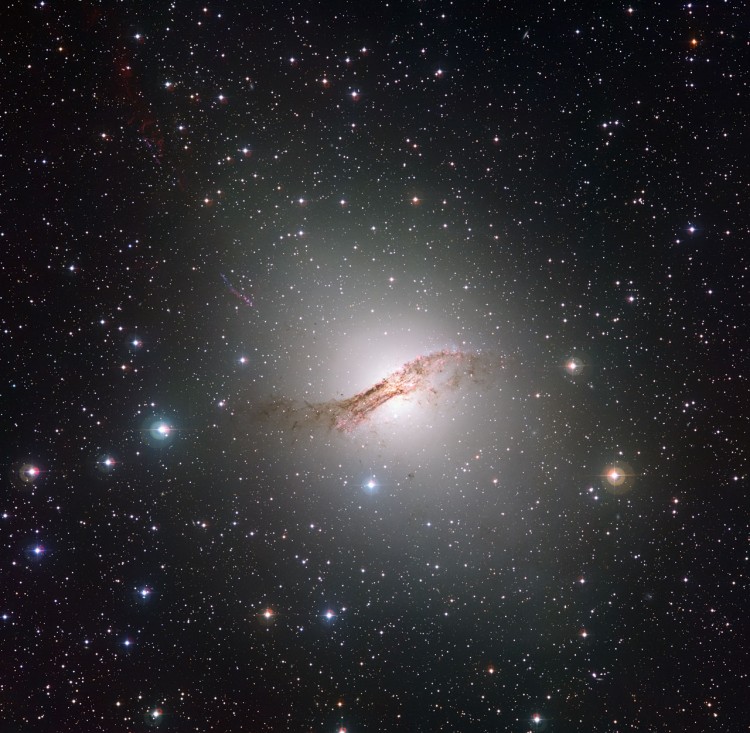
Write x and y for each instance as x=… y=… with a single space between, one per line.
x=374 y=367
x=422 y=379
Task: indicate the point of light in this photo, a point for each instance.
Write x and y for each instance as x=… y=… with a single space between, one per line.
x=574 y=366
x=619 y=476
x=160 y=430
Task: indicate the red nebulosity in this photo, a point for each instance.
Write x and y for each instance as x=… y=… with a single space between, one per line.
x=128 y=90
x=140 y=114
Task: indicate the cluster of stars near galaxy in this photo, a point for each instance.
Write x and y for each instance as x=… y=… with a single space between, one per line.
x=375 y=367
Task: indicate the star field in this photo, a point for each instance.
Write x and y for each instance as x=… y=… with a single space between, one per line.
x=374 y=367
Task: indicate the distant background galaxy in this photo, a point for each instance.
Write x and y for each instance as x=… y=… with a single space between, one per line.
x=374 y=367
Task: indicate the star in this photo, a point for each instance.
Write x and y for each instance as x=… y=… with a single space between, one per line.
x=574 y=366
x=160 y=430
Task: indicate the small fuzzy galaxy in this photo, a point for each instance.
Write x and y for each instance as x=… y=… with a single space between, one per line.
x=374 y=367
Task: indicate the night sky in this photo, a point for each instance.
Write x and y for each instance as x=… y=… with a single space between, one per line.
x=374 y=366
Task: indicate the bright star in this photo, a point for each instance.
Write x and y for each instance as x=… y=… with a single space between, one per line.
x=574 y=366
